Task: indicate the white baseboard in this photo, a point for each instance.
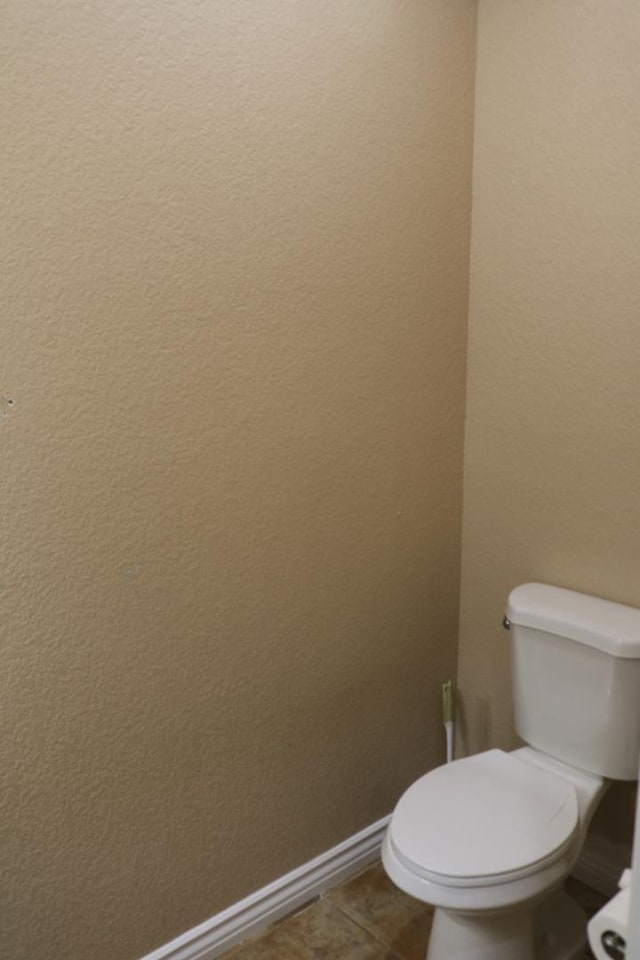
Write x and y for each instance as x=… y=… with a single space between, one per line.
x=257 y=911
x=601 y=864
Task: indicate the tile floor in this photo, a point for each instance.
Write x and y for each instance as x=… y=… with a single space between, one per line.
x=366 y=918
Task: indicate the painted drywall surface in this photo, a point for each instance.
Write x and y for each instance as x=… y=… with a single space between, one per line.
x=233 y=385
x=552 y=458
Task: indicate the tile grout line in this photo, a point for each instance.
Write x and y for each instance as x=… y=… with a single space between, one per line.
x=356 y=923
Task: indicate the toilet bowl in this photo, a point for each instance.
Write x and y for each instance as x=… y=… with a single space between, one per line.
x=489 y=840
x=486 y=840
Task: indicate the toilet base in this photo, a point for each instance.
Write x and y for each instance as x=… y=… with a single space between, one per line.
x=554 y=930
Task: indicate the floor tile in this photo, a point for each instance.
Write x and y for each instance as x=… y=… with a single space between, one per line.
x=397 y=920
x=321 y=932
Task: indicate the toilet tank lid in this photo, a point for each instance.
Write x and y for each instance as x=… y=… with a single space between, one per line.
x=613 y=628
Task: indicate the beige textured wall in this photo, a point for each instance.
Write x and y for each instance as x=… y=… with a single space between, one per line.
x=233 y=332
x=552 y=458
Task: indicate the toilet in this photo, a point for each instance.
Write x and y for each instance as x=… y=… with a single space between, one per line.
x=489 y=840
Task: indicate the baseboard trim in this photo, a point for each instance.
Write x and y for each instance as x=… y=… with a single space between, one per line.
x=601 y=864
x=257 y=911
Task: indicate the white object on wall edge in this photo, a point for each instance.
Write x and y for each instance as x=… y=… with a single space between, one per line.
x=609 y=928
x=633 y=947
x=248 y=917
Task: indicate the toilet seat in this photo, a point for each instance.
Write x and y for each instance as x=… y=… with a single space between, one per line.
x=488 y=819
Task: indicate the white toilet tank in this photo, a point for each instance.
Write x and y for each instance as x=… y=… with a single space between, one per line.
x=576 y=678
